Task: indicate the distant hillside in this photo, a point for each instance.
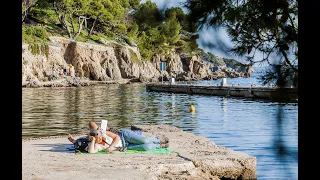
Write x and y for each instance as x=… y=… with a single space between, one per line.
x=217 y=62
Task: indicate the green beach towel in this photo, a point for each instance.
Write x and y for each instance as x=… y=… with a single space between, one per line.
x=156 y=151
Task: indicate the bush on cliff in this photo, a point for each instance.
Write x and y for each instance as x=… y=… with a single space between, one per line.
x=32 y=34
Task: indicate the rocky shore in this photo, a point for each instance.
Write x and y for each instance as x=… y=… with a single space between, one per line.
x=192 y=157
x=81 y=63
x=71 y=82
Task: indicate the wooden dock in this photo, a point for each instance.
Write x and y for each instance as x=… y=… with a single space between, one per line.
x=271 y=93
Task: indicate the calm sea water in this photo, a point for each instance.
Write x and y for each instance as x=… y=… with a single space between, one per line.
x=265 y=130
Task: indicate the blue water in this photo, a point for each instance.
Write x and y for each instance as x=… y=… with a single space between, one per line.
x=258 y=128
x=253 y=80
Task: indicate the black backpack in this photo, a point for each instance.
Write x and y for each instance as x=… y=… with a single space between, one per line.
x=81 y=144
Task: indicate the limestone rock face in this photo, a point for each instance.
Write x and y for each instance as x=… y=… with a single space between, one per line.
x=40 y=66
x=109 y=61
x=194 y=67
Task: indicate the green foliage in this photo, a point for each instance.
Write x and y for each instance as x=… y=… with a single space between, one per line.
x=134 y=3
x=231 y=61
x=253 y=25
x=129 y=41
x=132 y=30
x=83 y=37
x=125 y=3
x=110 y=34
x=43 y=12
x=208 y=56
x=265 y=26
x=99 y=8
x=171 y=30
x=95 y=37
x=24 y=62
x=280 y=75
x=187 y=42
x=145 y=47
x=183 y=19
x=175 y=12
x=26 y=5
x=37 y=31
x=120 y=29
x=145 y=53
x=134 y=57
x=72 y=14
x=155 y=37
x=39 y=49
x=35 y=73
x=130 y=3
x=44 y=48
x=147 y=15
x=32 y=34
x=111 y=20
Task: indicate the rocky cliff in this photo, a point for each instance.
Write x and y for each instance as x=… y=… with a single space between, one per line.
x=109 y=61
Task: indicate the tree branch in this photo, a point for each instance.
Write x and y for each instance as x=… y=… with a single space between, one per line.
x=287 y=59
x=80 y=26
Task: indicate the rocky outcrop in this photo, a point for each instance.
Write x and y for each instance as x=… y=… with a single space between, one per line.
x=108 y=61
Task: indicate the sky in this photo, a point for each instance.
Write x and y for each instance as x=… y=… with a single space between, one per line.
x=208 y=36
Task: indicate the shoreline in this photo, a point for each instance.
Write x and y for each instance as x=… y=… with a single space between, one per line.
x=192 y=157
x=71 y=82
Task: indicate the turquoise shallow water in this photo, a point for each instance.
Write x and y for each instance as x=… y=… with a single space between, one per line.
x=266 y=130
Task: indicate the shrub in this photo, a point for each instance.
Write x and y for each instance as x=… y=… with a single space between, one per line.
x=32 y=34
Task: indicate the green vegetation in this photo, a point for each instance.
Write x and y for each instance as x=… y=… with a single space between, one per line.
x=134 y=57
x=266 y=26
x=231 y=61
x=38 y=48
x=24 y=62
x=34 y=34
x=34 y=72
x=124 y=21
x=212 y=58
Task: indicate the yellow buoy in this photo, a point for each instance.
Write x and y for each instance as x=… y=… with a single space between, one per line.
x=192 y=108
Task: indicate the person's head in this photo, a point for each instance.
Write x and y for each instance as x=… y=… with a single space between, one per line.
x=96 y=133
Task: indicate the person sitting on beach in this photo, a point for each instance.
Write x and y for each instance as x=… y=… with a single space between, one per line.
x=61 y=73
x=122 y=140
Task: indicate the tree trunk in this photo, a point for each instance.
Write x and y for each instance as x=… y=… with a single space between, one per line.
x=25 y=14
x=287 y=60
x=65 y=24
x=80 y=26
x=62 y=20
x=85 y=23
x=94 y=23
x=28 y=4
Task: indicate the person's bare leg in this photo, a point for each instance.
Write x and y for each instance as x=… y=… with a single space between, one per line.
x=93 y=125
x=71 y=139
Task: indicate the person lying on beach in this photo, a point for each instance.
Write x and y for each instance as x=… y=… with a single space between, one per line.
x=121 y=141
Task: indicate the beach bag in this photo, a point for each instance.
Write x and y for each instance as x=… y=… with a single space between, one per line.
x=81 y=144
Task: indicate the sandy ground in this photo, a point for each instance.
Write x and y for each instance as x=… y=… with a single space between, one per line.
x=192 y=157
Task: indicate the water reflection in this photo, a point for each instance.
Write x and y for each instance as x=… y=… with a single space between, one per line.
x=242 y=125
x=224 y=105
x=286 y=152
